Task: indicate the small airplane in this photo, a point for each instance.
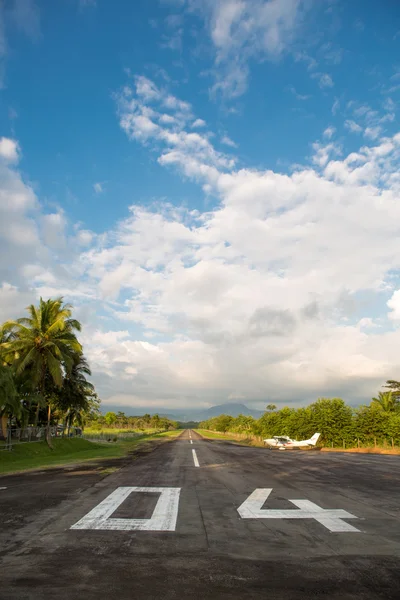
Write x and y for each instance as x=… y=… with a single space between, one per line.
x=282 y=442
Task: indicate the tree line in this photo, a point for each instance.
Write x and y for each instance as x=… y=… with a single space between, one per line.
x=338 y=423
x=43 y=371
x=120 y=420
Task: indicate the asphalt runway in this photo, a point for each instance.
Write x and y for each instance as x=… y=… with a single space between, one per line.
x=245 y=523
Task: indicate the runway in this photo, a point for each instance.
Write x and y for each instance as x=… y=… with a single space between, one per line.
x=205 y=519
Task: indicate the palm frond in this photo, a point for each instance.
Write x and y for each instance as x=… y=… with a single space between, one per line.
x=55 y=370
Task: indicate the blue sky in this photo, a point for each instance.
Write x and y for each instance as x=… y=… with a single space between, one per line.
x=213 y=185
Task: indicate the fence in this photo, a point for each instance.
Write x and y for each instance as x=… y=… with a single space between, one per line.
x=370 y=442
x=16 y=435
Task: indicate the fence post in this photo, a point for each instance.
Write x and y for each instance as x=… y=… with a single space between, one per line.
x=358 y=443
x=375 y=441
x=344 y=444
x=392 y=443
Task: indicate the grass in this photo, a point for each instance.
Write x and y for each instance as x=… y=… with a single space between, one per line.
x=115 y=431
x=35 y=455
x=232 y=437
x=367 y=450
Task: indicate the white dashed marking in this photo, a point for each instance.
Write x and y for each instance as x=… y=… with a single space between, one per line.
x=191 y=441
x=163 y=518
x=195 y=459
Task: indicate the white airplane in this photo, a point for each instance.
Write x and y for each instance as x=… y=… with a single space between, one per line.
x=282 y=442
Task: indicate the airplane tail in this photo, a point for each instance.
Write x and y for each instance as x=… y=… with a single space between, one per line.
x=314 y=439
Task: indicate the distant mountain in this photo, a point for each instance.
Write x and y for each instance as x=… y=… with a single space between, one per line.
x=234 y=409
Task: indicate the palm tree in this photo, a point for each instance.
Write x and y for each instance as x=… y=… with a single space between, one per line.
x=44 y=343
x=386 y=401
x=73 y=399
x=394 y=386
x=9 y=402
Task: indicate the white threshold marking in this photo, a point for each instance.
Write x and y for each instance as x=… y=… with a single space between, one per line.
x=163 y=518
x=329 y=518
x=3 y=488
x=195 y=459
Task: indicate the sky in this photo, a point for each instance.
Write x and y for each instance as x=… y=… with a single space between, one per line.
x=214 y=185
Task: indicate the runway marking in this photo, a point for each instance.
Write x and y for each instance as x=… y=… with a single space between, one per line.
x=191 y=441
x=3 y=488
x=329 y=518
x=163 y=518
x=195 y=459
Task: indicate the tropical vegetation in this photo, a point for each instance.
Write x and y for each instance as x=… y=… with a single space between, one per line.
x=43 y=372
x=122 y=422
x=338 y=423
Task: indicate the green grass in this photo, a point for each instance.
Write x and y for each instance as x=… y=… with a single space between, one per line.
x=216 y=435
x=36 y=455
x=231 y=437
x=115 y=431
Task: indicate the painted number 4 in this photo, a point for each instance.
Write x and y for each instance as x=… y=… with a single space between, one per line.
x=329 y=518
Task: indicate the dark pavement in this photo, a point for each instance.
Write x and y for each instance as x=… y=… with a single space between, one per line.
x=210 y=550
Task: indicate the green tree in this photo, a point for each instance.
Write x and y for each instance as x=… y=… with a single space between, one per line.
x=45 y=344
x=387 y=401
x=271 y=407
x=10 y=405
x=73 y=398
x=110 y=418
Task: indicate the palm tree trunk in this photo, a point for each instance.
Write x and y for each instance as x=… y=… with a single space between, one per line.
x=37 y=414
x=48 y=436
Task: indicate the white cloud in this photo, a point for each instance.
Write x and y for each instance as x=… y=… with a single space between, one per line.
x=373 y=132
x=353 y=126
x=275 y=289
x=329 y=132
x=9 y=150
x=324 y=80
x=228 y=142
x=253 y=293
x=245 y=30
x=53 y=229
x=198 y=123
x=302 y=97
x=335 y=106
x=98 y=187
x=394 y=306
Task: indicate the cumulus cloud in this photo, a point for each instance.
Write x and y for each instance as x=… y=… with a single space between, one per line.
x=264 y=293
x=9 y=150
x=286 y=286
x=98 y=187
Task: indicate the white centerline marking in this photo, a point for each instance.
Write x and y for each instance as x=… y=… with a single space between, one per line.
x=191 y=441
x=3 y=488
x=195 y=459
x=163 y=518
